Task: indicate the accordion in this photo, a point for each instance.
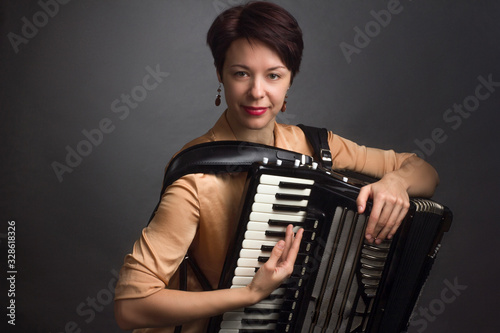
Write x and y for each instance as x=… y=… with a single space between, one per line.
x=340 y=282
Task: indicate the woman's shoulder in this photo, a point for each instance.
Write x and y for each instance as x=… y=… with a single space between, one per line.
x=207 y=137
x=288 y=132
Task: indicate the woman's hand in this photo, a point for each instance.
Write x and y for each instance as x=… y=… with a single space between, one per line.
x=390 y=196
x=390 y=205
x=278 y=267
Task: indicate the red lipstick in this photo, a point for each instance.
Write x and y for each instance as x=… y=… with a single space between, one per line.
x=255 y=110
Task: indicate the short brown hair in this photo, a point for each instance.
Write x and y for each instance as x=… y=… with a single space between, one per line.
x=262 y=21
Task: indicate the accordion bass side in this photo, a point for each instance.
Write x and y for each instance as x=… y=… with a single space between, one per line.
x=340 y=282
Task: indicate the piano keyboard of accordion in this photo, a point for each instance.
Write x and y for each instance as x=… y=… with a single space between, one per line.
x=340 y=283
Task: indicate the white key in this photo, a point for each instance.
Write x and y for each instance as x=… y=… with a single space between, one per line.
x=233 y=316
x=265 y=217
x=260 y=235
x=244 y=271
x=270 y=303
x=238 y=286
x=240 y=280
x=253 y=254
x=245 y=262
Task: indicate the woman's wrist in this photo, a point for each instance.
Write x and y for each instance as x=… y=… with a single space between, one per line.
x=250 y=295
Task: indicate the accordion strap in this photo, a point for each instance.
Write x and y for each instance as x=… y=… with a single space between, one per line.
x=225 y=157
x=318 y=138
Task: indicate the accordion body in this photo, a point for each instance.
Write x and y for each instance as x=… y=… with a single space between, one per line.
x=340 y=282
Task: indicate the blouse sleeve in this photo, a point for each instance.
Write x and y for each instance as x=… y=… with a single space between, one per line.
x=163 y=243
x=371 y=161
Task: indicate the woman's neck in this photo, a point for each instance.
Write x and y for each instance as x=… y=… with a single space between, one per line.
x=263 y=136
x=256 y=136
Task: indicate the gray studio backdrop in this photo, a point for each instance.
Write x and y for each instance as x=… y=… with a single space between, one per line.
x=97 y=95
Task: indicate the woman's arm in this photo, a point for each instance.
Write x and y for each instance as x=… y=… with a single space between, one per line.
x=173 y=307
x=390 y=196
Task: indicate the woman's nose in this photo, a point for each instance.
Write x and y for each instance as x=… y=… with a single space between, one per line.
x=257 y=90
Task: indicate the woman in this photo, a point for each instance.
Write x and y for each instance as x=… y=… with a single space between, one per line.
x=257 y=49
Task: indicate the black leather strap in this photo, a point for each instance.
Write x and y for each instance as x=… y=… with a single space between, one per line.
x=182 y=285
x=318 y=138
x=224 y=157
x=202 y=279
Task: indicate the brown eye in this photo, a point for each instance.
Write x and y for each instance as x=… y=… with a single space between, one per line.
x=240 y=74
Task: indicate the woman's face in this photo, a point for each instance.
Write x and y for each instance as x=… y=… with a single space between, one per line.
x=255 y=84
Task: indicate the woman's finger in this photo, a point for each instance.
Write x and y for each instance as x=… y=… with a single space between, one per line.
x=276 y=254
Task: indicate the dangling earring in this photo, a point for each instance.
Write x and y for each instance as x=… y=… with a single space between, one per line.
x=283 y=107
x=217 y=98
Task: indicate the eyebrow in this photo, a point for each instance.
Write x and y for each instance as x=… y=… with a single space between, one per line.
x=269 y=69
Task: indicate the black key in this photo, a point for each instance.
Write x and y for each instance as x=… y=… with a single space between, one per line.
x=294 y=185
x=291 y=197
x=288 y=208
x=271 y=233
x=308 y=224
x=305 y=247
x=266 y=248
x=261 y=310
x=307 y=235
x=262 y=259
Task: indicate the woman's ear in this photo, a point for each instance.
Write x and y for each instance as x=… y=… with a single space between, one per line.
x=219 y=77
